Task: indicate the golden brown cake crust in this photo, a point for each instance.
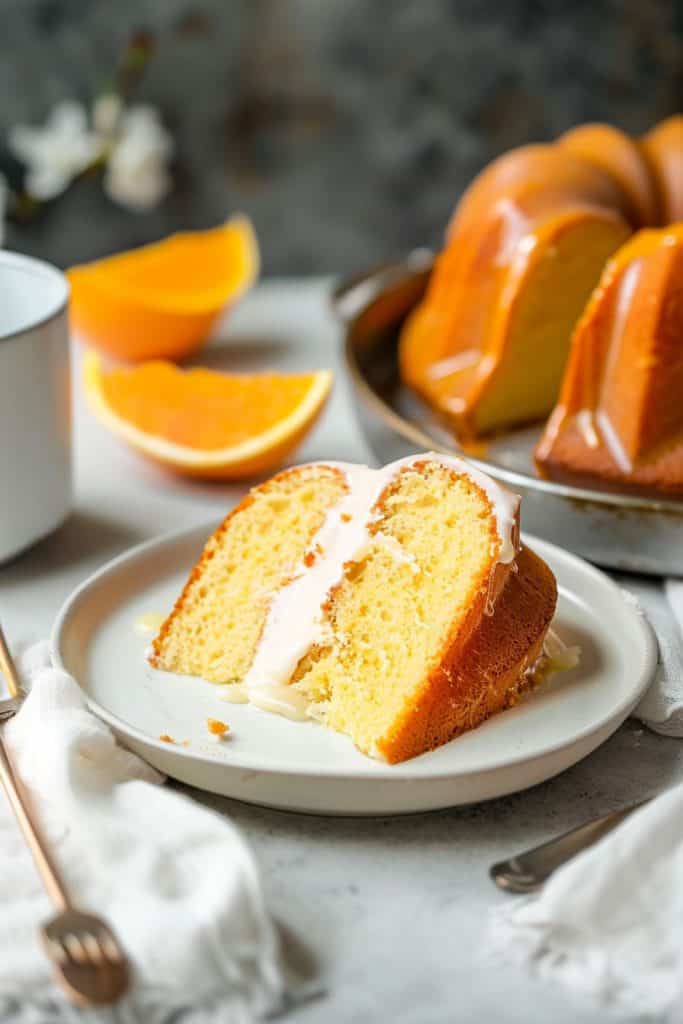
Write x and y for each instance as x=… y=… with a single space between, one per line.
x=571 y=461
x=484 y=675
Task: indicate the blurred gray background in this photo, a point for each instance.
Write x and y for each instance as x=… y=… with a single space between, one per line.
x=345 y=128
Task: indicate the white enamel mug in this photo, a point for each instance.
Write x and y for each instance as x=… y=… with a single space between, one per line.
x=35 y=405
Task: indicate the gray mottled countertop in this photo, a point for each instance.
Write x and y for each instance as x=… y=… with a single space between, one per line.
x=392 y=912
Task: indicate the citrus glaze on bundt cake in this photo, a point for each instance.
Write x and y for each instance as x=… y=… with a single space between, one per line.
x=528 y=242
x=619 y=418
x=395 y=605
x=520 y=261
x=621 y=157
x=663 y=150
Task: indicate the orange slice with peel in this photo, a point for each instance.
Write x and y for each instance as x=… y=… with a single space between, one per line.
x=161 y=301
x=202 y=423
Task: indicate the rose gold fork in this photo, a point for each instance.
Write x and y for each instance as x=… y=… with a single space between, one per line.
x=88 y=961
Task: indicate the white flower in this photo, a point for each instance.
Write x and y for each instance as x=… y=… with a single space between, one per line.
x=134 y=143
x=106 y=114
x=4 y=192
x=137 y=171
x=57 y=152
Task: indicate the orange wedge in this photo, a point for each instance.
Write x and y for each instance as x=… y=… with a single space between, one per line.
x=202 y=423
x=160 y=301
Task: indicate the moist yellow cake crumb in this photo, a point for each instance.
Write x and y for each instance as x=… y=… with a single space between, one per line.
x=218 y=619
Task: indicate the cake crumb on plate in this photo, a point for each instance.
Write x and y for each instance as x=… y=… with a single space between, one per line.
x=217 y=729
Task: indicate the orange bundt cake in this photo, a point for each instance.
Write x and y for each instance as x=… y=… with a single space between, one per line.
x=620 y=156
x=488 y=343
x=663 y=150
x=619 y=418
x=396 y=606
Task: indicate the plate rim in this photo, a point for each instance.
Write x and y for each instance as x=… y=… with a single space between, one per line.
x=417 y=435
x=379 y=772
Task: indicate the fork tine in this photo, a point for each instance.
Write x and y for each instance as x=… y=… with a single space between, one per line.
x=93 y=948
x=56 y=950
x=89 y=962
x=75 y=948
x=88 y=975
x=109 y=947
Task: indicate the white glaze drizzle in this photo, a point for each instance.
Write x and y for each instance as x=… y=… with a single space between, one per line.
x=613 y=442
x=555 y=657
x=234 y=693
x=295 y=620
x=453 y=364
x=516 y=228
x=595 y=424
x=279 y=700
x=149 y=622
x=627 y=287
x=585 y=422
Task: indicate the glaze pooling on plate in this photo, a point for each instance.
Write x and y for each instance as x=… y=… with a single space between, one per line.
x=148 y=623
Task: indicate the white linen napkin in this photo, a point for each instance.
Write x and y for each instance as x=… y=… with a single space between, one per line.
x=175 y=880
x=662 y=707
x=610 y=922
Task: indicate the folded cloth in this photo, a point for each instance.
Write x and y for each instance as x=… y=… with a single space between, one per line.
x=610 y=922
x=174 y=880
x=662 y=707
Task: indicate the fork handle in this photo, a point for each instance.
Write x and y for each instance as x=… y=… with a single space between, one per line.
x=8 y=668
x=43 y=860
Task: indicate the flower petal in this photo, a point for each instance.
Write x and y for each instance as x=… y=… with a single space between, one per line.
x=106 y=113
x=45 y=181
x=68 y=118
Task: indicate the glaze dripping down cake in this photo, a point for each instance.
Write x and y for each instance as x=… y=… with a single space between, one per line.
x=396 y=606
x=619 y=418
x=525 y=249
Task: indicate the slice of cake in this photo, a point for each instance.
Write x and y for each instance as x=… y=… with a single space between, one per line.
x=395 y=605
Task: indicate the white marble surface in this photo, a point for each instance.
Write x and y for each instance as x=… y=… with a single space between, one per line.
x=392 y=912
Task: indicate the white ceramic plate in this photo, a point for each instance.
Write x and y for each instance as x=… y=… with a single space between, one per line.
x=304 y=767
